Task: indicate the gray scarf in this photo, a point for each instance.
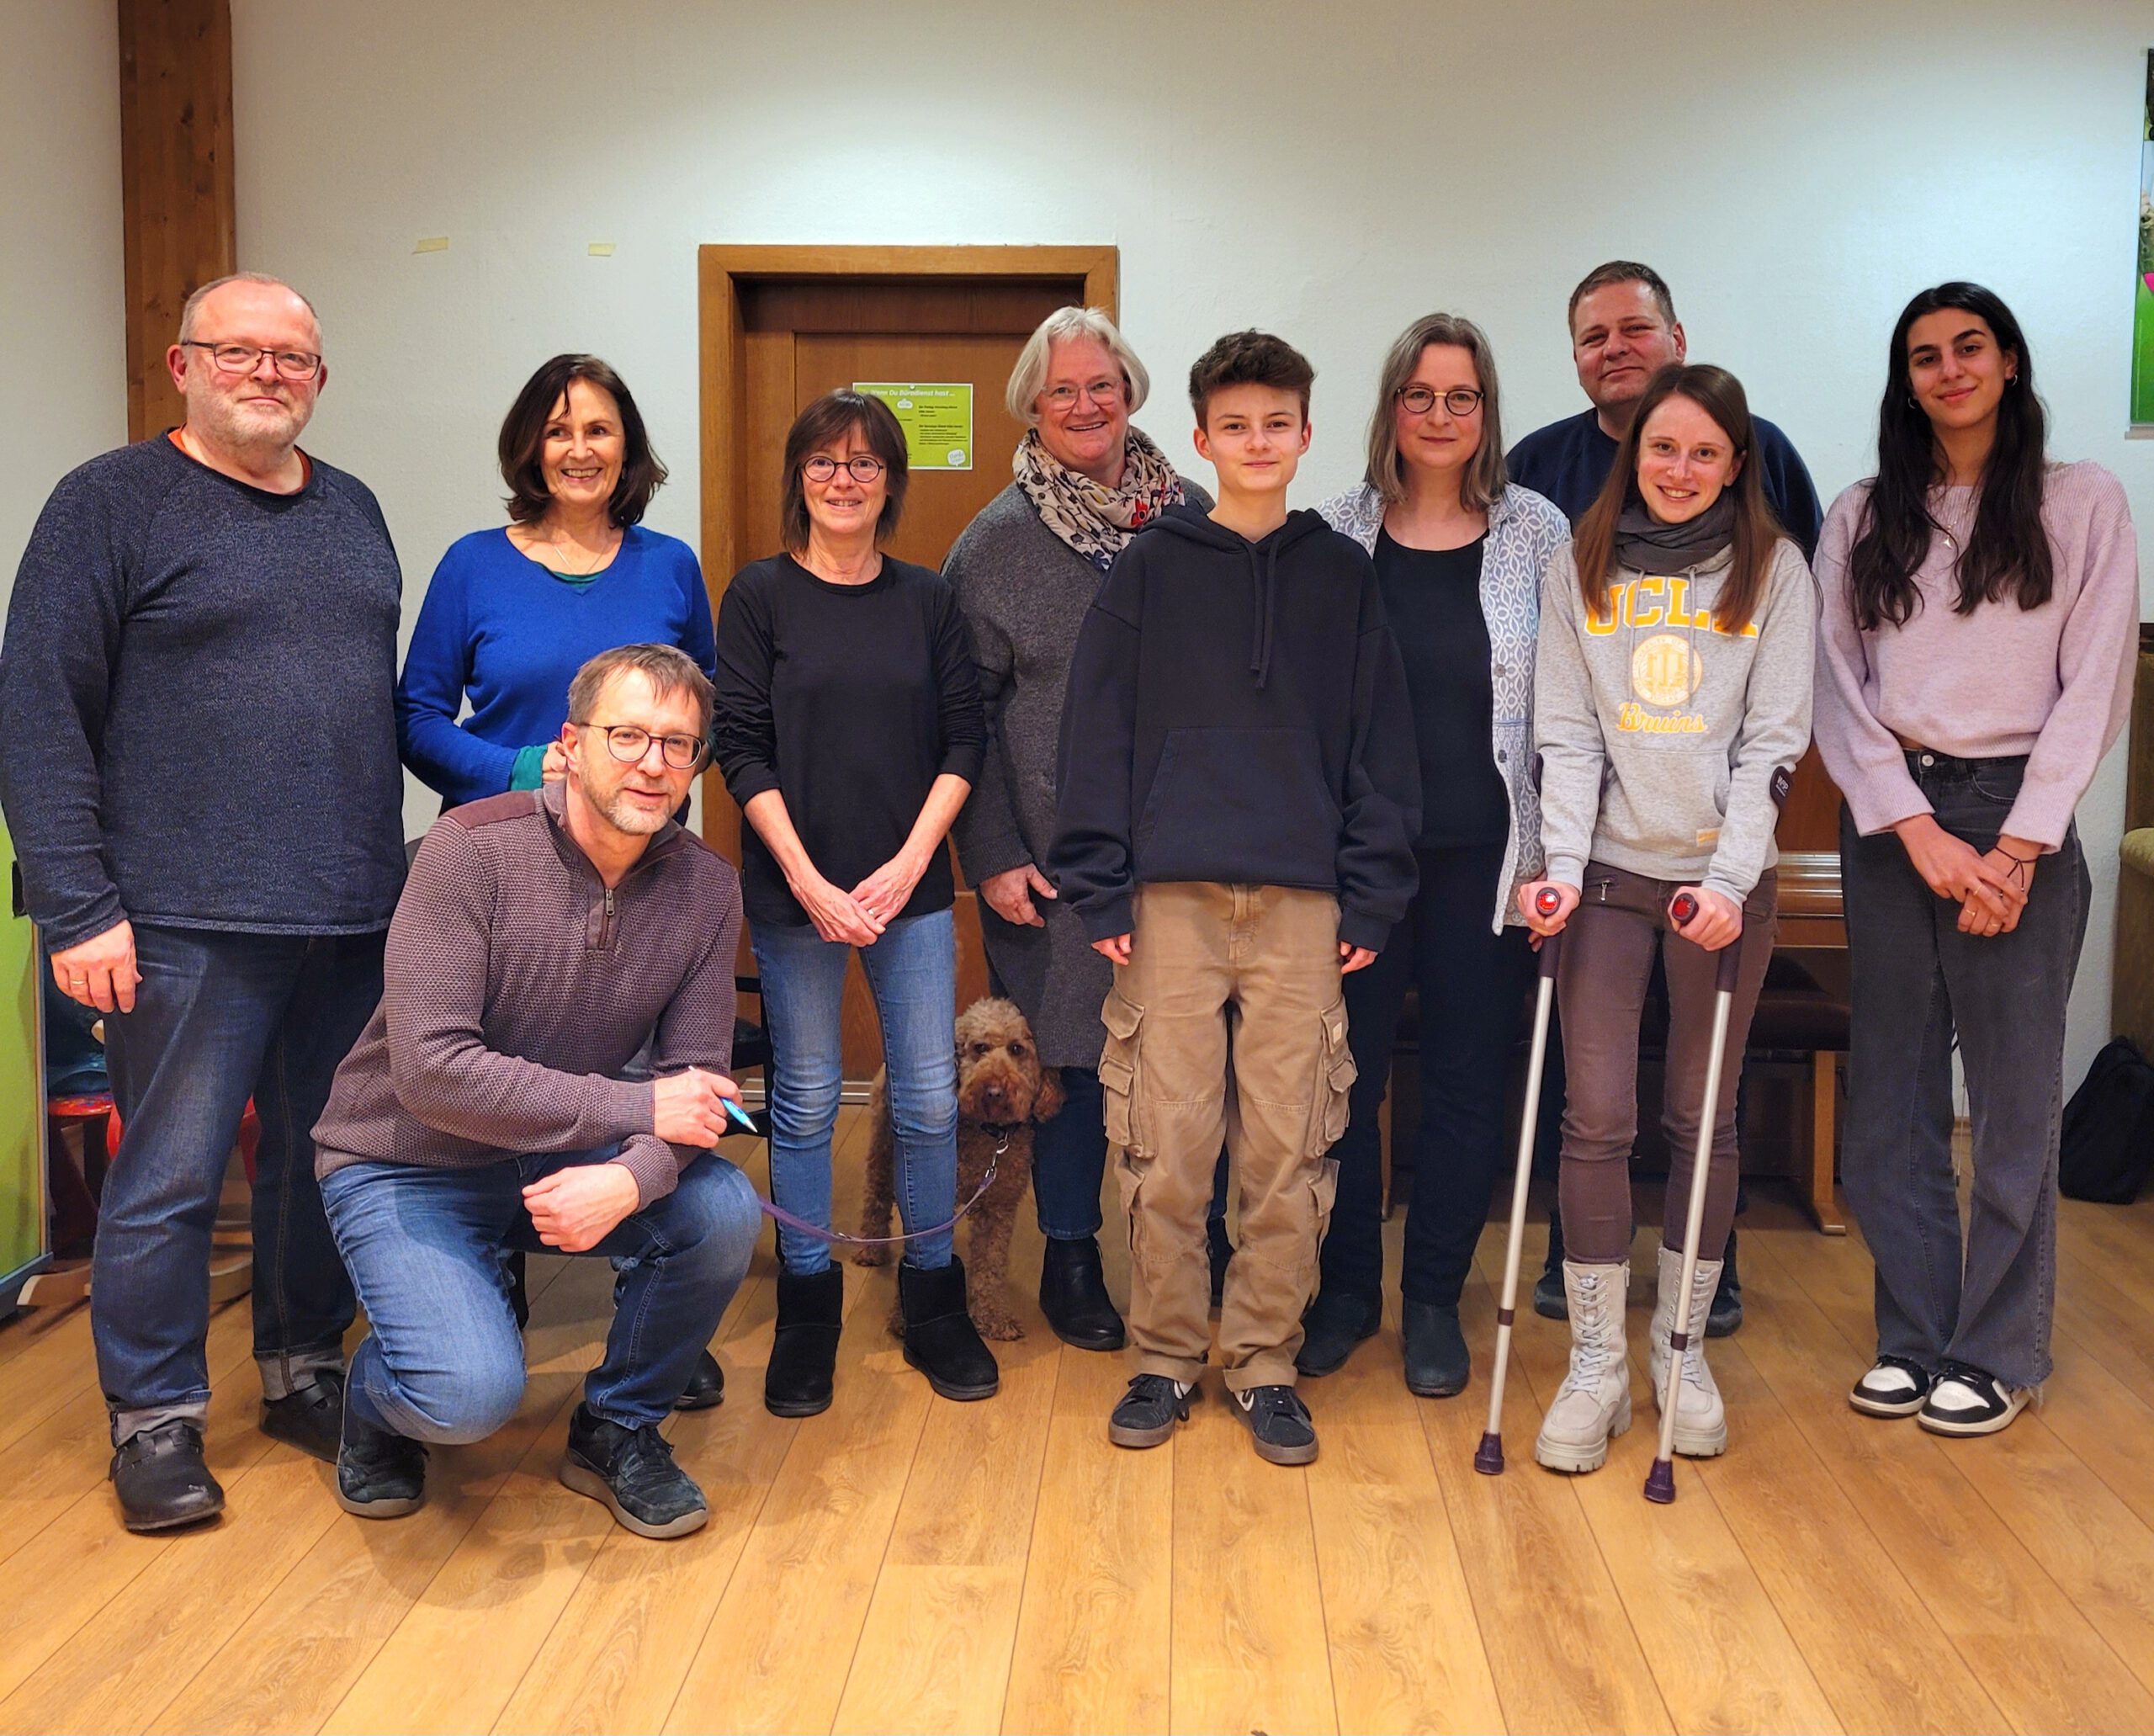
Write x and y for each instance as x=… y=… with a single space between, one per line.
x=1645 y=544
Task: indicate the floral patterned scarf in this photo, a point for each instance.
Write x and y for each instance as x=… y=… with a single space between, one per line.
x=1095 y=521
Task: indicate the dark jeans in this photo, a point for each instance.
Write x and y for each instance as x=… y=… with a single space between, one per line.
x=1069 y=1162
x=1917 y=982
x=1609 y=947
x=428 y=1247
x=1472 y=984
x=219 y=1017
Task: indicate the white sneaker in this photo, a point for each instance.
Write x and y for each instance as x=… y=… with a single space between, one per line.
x=1895 y=1386
x=1970 y=1401
x=1593 y=1405
x=1700 y=1417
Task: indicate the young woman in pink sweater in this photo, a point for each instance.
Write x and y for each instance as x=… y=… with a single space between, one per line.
x=1974 y=657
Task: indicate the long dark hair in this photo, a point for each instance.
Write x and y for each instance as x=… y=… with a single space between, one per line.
x=523 y=439
x=1720 y=396
x=2009 y=552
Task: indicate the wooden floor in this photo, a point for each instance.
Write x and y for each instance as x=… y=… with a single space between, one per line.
x=904 y=1564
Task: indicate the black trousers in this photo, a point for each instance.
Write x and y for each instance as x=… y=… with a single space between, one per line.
x=1472 y=984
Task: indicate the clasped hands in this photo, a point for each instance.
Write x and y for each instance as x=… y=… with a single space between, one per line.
x=1990 y=886
x=575 y=1208
x=858 y=917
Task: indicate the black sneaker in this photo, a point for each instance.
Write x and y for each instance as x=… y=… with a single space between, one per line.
x=379 y=1474
x=310 y=1417
x=1278 y=1422
x=1894 y=1387
x=1149 y=1410
x=1336 y=1321
x=161 y=1481
x=706 y=1386
x=1967 y=1400
x=632 y=1471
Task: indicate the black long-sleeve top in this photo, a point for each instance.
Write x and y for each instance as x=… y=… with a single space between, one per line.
x=197 y=693
x=850 y=700
x=1237 y=711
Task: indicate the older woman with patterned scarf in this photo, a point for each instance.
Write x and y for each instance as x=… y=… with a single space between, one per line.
x=1025 y=572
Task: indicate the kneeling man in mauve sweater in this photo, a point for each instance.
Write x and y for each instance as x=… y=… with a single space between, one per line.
x=543 y=939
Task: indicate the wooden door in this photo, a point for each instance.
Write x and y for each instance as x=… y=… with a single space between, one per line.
x=782 y=326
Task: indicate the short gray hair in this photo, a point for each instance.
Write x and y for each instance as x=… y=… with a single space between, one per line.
x=1485 y=476
x=194 y=307
x=669 y=669
x=1067 y=324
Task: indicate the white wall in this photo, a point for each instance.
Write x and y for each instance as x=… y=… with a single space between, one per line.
x=61 y=292
x=1796 y=171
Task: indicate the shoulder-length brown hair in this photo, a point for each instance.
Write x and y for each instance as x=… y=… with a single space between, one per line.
x=1720 y=395
x=871 y=423
x=1485 y=475
x=524 y=440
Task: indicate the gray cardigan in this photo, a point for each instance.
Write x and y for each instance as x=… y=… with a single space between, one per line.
x=1025 y=592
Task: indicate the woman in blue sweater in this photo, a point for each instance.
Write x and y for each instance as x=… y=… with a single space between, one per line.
x=512 y=614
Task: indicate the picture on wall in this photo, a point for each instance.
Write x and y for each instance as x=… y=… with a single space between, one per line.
x=2142 y=327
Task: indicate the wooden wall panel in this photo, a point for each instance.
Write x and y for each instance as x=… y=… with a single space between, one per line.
x=176 y=182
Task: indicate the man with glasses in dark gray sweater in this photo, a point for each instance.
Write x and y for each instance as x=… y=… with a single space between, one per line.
x=197 y=760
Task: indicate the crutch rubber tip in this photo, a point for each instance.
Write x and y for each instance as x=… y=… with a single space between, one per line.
x=1660 y=1481
x=1489 y=1456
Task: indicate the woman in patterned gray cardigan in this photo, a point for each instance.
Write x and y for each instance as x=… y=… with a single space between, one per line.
x=1025 y=571
x=1459 y=555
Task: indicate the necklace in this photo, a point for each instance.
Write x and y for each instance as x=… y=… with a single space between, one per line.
x=556 y=545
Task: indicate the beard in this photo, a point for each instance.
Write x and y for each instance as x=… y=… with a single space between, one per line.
x=623 y=815
x=247 y=428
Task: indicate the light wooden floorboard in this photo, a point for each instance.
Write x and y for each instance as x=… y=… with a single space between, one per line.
x=905 y=1563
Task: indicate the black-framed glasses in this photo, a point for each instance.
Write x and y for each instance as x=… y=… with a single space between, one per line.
x=863 y=467
x=629 y=743
x=246 y=357
x=1420 y=400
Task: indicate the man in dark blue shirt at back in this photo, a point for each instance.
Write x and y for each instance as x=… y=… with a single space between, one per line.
x=1624 y=331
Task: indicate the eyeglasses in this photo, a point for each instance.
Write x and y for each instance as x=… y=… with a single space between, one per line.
x=629 y=743
x=1099 y=391
x=246 y=357
x=863 y=468
x=1420 y=400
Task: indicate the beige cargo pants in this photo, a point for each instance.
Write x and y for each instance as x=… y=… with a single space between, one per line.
x=1226 y=1023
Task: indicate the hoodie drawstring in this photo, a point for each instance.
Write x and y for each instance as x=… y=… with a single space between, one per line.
x=1264 y=587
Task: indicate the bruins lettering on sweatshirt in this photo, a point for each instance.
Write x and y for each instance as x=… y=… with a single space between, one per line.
x=1658 y=734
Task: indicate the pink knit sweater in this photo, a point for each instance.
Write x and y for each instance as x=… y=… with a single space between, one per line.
x=2053 y=684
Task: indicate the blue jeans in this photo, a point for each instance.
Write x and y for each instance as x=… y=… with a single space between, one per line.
x=1916 y=984
x=912 y=970
x=426 y=1249
x=219 y=1017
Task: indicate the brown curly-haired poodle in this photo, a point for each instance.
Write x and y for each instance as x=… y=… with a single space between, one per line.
x=1002 y=1091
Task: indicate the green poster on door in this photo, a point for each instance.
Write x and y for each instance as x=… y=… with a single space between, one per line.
x=937 y=420
x=22 y=1090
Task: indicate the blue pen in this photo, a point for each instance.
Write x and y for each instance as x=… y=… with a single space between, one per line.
x=747 y=1122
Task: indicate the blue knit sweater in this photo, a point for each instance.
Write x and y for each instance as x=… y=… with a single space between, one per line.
x=498 y=628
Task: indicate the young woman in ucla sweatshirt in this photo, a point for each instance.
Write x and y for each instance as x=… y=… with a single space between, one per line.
x=1974 y=667
x=1672 y=682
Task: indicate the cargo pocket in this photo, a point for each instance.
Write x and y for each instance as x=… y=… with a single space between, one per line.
x=1331 y=1101
x=1323 y=1194
x=1118 y=1072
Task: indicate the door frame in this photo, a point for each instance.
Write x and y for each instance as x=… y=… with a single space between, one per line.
x=721 y=269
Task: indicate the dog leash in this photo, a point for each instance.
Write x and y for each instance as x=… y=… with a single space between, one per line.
x=800 y=1226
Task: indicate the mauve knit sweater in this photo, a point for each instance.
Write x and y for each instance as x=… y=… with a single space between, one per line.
x=2053 y=684
x=516 y=987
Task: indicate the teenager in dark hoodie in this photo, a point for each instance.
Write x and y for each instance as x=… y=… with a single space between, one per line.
x=1238 y=801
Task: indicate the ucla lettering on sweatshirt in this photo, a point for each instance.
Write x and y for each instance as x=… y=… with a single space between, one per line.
x=1658 y=734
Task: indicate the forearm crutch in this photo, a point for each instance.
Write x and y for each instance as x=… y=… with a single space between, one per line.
x=1660 y=1481
x=1489 y=1457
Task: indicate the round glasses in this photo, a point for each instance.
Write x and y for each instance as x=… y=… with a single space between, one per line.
x=245 y=358
x=1420 y=400
x=629 y=743
x=1099 y=391
x=863 y=468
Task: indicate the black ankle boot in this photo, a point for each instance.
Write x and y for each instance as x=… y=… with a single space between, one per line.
x=1433 y=1350
x=1074 y=1296
x=804 y=1353
x=941 y=1339
x=1726 y=1313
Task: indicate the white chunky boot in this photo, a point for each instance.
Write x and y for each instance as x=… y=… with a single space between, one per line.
x=1594 y=1403
x=1701 y=1418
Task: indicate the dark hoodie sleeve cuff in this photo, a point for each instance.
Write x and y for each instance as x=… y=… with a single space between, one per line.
x=1104 y=921
x=1359 y=929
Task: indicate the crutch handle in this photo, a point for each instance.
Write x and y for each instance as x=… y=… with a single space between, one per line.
x=1546 y=903
x=1681 y=910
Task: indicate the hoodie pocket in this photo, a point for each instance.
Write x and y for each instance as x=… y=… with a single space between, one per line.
x=1673 y=801
x=1118 y=1064
x=1239 y=804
